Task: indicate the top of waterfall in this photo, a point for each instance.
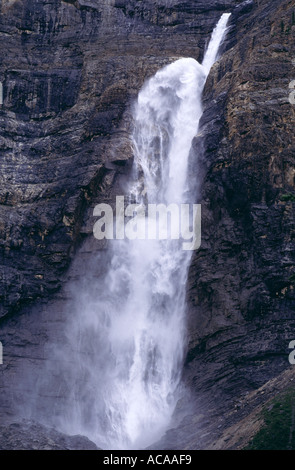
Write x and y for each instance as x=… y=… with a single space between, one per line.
x=217 y=37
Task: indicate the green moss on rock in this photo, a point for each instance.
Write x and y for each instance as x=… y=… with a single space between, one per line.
x=288 y=197
x=278 y=431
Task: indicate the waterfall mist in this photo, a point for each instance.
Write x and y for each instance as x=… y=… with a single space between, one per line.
x=125 y=338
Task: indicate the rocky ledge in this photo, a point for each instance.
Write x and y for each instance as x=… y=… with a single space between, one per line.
x=27 y=435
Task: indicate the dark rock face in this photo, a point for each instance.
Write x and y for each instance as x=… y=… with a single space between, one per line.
x=35 y=95
x=241 y=282
x=33 y=436
x=70 y=70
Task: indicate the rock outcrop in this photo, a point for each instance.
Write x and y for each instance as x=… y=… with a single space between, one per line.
x=33 y=436
x=241 y=283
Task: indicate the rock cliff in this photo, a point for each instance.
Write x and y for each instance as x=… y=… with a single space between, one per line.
x=241 y=287
x=70 y=71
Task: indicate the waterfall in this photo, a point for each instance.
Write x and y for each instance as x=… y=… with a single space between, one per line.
x=128 y=336
x=146 y=284
x=217 y=37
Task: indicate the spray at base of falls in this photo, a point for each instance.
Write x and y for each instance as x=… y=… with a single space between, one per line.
x=127 y=336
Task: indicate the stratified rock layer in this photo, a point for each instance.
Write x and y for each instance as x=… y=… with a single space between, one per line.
x=241 y=282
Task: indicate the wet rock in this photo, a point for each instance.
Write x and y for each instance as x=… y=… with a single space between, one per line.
x=34 y=436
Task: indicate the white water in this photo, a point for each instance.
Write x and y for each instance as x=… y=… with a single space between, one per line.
x=217 y=37
x=128 y=341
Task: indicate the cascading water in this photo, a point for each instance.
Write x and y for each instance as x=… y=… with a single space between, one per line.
x=129 y=338
x=217 y=37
